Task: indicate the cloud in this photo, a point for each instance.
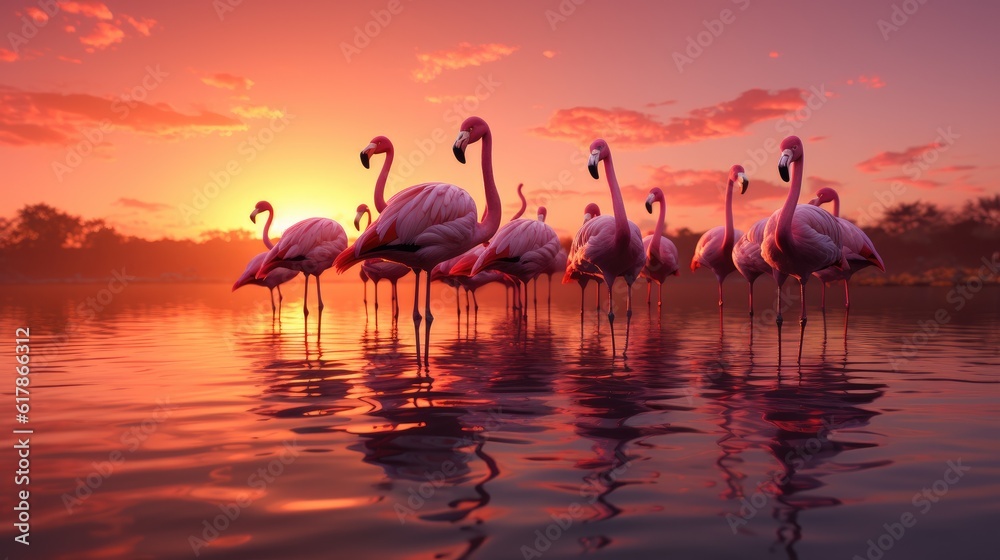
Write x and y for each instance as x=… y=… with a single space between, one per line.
x=812 y=139
x=661 y=103
x=911 y=182
x=870 y=82
x=816 y=183
x=887 y=159
x=142 y=205
x=87 y=8
x=257 y=112
x=38 y=15
x=38 y=118
x=7 y=55
x=954 y=168
x=634 y=129
x=142 y=25
x=228 y=81
x=549 y=54
x=466 y=54
x=774 y=54
x=103 y=36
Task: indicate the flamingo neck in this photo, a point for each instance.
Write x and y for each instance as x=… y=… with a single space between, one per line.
x=654 y=245
x=267 y=229
x=380 y=184
x=621 y=221
x=784 y=230
x=491 y=216
x=728 y=239
x=836 y=205
x=369 y=214
x=524 y=202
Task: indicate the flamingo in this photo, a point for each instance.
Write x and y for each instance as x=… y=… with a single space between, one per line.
x=800 y=239
x=750 y=263
x=309 y=246
x=380 y=269
x=426 y=224
x=459 y=270
x=715 y=248
x=276 y=278
x=522 y=248
x=860 y=250
x=612 y=244
x=557 y=265
x=661 y=253
x=588 y=273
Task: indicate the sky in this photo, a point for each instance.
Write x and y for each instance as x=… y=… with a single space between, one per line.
x=169 y=119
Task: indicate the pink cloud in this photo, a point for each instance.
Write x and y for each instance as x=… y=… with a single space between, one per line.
x=816 y=183
x=38 y=118
x=910 y=182
x=228 y=81
x=38 y=15
x=7 y=55
x=86 y=8
x=633 y=129
x=466 y=54
x=141 y=205
x=103 y=35
x=142 y=25
x=888 y=159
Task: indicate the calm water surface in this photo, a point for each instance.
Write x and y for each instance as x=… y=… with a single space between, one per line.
x=179 y=421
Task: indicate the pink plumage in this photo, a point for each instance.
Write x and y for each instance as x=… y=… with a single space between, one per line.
x=715 y=248
x=277 y=277
x=661 y=253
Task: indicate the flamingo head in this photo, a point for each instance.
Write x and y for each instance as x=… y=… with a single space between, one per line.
x=262 y=206
x=378 y=145
x=591 y=211
x=655 y=195
x=791 y=151
x=824 y=195
x=599 y=151
x=542 y=213
x=738 y=176
x=472 y=131
x=362 y=210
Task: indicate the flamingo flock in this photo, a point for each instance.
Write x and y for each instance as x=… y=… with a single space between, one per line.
x=434 y=229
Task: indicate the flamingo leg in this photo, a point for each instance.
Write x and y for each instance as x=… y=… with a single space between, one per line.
x=466 y=301
x=649 y=287
x=847 y=294
x=535 y=296
x=751 y=296
x=550 y=291
x=430 y=319
x=659 y=295
x=802 y=320
x=779 y=320
x=280 y=299
x=458 y=308
x=319 y=318
x=822 y=298
x=628 y=320
x=395 y=301
x=271 y=292
x=416 y=311
x=475 y=304
x=305 y=298
x=720 y=292
x=375 y=284
x=365 y=298
x=611 y=315
x=583 y=292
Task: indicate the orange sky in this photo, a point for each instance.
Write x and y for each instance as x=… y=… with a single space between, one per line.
x=128 y=110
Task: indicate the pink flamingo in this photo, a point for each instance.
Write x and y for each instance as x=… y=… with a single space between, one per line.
x=750 y=263
x=557 y=265
x=309 y=246
x=715 y=248
x=860 y=251
x=585 y=275
x=612 y=244
x=523 y=249
x=380 y=269
x=800 y=239
x=426 y=224
x=276 y=278
x=459 y=270
x=661 y=253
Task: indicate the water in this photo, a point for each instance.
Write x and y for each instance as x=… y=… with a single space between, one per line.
x=177 y=415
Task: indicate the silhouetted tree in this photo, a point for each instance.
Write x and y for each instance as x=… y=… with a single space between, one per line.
x=41 y=227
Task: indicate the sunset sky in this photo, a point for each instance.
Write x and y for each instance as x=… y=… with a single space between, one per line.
x=127 y=110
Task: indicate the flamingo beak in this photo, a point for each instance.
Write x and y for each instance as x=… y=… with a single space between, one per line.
x=649 y=204
x=253 y=215
x=366 y=154
x=587 y=216
x=595 y=156
x=460 y=144
x=744 y=182
x=357 y=220
x=814 y=202
x=786 y=158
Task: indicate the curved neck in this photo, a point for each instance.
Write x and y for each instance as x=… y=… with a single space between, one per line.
x=524 y=202
x=783 y=235
x=654 y=245
x=836 y=205
x=491 y=216
x=728 y=240
x=621 y=220
x=380 y=183
x=267 y=229
x=369 y=214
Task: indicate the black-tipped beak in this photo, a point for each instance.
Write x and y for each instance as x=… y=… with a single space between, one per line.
x=649 y=207
x=364 y=159
x=786 y=157
x=593 y=170
x=460 y=143
x=745 y=184
x=357 y=222
x=253 y=215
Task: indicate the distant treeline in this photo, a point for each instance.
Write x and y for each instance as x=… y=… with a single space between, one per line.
x=920 y=242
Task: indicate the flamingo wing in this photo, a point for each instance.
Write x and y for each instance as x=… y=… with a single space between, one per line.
x=309 y=246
